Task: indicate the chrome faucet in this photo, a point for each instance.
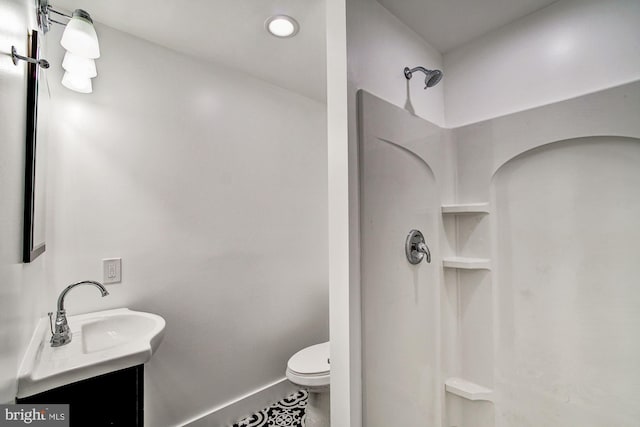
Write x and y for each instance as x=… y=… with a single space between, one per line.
x=415 y=248
x=62 y=334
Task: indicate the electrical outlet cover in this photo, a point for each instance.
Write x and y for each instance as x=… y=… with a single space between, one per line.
x=111 y=270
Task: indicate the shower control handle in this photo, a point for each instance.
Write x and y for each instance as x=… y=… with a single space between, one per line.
x=416 y=248
x=424 y=249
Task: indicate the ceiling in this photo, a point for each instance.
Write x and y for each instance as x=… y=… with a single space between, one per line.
x=232 y=32
x=448 y=24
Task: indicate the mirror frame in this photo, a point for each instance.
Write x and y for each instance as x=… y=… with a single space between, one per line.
x=31 y=249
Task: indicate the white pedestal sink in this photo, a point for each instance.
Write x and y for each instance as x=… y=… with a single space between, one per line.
x=103 y=342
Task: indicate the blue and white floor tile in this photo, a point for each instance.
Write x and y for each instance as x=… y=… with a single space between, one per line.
x=289 y=412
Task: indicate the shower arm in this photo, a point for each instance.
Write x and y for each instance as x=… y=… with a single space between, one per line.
x=408 y=73
x=431 y=77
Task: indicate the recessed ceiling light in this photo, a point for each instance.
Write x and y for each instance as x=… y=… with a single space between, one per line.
x=282 y=26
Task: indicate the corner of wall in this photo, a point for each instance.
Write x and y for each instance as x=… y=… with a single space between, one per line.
x=542 y=59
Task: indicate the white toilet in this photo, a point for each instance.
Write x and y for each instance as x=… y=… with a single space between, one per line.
x=309 y=368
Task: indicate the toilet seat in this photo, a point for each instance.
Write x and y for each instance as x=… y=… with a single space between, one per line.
x=310 y=366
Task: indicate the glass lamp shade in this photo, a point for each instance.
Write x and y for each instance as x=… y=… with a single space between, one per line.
x=76 y=83
x=79 y=66
x=80 y=37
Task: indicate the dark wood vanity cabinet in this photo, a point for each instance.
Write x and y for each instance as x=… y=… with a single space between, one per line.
x=113 y=399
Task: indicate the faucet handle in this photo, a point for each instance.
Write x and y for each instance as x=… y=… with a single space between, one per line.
x=424 y=249
x=415 y=248
x=50 y=321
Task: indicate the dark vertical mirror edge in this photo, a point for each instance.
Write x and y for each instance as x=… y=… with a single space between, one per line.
x=31 y=250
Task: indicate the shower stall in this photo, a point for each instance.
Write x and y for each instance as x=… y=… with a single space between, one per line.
x=529 y=311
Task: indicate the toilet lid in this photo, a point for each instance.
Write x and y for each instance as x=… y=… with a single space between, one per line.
x=311 y=360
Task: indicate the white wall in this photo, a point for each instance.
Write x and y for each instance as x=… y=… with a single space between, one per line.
x=379 y=46
x=568 y=49
x=22 y=286
x=345 y=335
x=211 y=186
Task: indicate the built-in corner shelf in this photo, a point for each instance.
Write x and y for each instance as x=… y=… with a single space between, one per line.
x=468 y=390
x=467 y=263
x=465 y=208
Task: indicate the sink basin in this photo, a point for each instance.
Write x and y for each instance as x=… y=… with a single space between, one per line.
x=112 y=331
x=103 y=342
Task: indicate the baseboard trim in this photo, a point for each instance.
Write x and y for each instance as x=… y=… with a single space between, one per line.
x=233 y=410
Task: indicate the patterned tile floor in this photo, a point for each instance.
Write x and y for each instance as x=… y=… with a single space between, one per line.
x=289 y=412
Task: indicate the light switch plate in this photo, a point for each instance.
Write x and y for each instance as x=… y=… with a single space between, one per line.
x=111 y=270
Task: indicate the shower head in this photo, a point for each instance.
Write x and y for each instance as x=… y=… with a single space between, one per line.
x=432 y=77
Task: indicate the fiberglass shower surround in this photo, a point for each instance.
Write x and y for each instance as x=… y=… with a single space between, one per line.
x=527 y=314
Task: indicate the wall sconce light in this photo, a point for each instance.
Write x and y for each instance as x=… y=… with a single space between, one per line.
x=81 y=42
x=77 y=83
x=79 y=65
x=80 y=37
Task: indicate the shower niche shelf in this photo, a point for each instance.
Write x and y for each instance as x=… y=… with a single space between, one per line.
x=468 y=390
x=465 y=208
x=465 y=263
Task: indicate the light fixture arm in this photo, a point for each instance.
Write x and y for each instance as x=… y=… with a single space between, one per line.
x=44 y=18
x=15 y=57
x=57 y=22
x=51 y=9
x=44 y=22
